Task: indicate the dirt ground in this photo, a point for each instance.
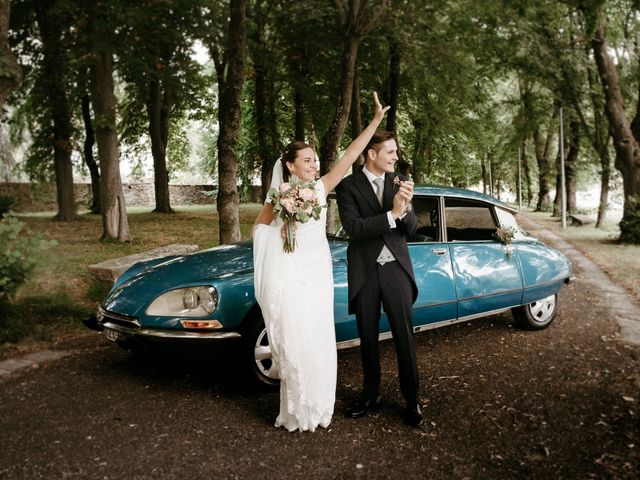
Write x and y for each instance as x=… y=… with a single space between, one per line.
x=502 y=403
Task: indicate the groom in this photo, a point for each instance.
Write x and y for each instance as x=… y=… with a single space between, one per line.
x=375 y=210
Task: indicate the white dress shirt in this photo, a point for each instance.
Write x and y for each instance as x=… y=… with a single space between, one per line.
x=371 y=177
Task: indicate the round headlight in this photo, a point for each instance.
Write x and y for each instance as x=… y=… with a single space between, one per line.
x=190 y=299
x=196 y=301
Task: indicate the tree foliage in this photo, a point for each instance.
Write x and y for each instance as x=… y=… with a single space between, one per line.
x=471 y=84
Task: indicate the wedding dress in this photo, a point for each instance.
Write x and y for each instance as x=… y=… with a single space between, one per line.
x=295 y=293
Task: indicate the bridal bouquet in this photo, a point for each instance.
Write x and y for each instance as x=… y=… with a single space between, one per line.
x=295 y=201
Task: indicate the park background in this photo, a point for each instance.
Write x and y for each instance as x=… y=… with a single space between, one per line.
x=104 y=97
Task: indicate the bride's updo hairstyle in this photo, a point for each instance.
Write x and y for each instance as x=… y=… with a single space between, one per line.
x=289 y=154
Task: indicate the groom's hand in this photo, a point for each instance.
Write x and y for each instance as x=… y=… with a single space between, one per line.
x=402 y=199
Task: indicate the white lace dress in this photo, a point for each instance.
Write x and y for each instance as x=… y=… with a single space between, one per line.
x=295 y=293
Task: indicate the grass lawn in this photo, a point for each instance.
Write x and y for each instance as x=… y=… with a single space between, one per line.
x=60 y=292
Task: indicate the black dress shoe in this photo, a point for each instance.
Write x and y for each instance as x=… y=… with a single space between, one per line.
x=414 y=416
x=364 y=407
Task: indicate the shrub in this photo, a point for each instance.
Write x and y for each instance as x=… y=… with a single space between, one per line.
x=19 y=247
x=6 y=202
x=630 y=223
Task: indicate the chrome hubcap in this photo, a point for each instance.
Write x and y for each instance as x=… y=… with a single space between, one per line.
x=542 y=310
x=264 y=360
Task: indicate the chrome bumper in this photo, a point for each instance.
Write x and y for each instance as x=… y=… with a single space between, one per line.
x=168 y=334
x=130 y=326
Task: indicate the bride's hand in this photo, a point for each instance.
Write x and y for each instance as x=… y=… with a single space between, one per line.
x=380 y=110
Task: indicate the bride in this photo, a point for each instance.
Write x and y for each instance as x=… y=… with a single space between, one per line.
x=295 y=290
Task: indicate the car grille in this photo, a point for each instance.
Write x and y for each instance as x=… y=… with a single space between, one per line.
x=117 y=318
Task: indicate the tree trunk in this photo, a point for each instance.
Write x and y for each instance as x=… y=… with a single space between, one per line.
x=331 y=139
x=420 y=154
x=265 y=116
x=11 y=77
x=605 y=179
x=159 y=106
x=89 y=141
x=267 y=156
x=229 y=119
x=484 y=174
x=543 y=154
x=299 y=120
x=557 y=207
x=600 y=141
x=526 y=170
x=115 y=225
x=51 y=23
x=394 y=85
x=356 y=113
x=356 y=19
x=625 y=143
x=571 y=165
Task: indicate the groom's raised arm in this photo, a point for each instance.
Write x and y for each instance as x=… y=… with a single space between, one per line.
x=357 y=226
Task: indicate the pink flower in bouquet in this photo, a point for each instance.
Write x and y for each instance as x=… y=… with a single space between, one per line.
x=289 y=203
x=307 y=194
x=285 y=186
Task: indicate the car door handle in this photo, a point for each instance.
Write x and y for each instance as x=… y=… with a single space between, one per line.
x=439 y=251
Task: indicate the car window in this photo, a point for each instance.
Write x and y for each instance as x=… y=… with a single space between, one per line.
x=467 y=220
x=426 y=210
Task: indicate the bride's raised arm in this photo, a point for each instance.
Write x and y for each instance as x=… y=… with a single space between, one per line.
x=355 y=148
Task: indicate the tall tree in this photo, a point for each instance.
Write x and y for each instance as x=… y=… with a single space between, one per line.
x=100 y=29
x=229 y=59
x=87 y=153
x=53 y=19
x=543 y=146
x=356 y=19
x=162 y=80
x=626 y=144
x=263 y=55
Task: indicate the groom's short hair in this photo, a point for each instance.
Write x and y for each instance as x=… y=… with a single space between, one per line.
x=379 y=137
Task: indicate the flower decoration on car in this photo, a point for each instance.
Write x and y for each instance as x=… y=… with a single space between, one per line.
x=505 y=235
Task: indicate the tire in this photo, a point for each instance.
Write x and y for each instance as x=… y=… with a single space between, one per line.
x=536 y=315
x=260 y=366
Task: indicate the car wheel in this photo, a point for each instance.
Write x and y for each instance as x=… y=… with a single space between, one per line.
x=536 y=315
x=261 y=365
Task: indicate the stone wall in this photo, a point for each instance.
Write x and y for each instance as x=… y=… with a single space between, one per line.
x=42 y=197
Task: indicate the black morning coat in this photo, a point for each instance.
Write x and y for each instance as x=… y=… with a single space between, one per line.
x=368 y=228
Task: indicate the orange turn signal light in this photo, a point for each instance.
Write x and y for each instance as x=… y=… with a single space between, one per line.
x=200 y=323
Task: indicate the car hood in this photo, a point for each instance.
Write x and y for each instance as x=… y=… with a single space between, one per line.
x=142 y=283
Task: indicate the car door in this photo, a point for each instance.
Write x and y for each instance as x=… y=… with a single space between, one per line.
x=432 y=266
x=346 y=328
x=487 y=277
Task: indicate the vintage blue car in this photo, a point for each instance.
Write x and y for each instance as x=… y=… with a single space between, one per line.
x=470 y=258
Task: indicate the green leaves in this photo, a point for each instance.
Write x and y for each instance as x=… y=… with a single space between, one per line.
x=18 y=254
